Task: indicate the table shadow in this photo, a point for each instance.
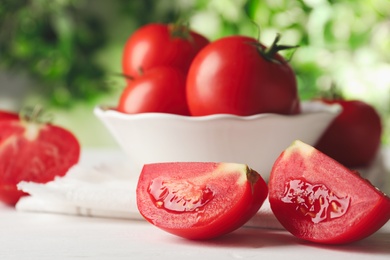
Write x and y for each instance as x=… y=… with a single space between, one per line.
x=378 y=243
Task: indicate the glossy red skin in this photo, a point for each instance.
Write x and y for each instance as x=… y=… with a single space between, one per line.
x=354 y=137
x=154 y=45
x=226 y=212
x=230 y=76
x=368 y=211
x=39 y=159
x=7 y=115
x=159 y=90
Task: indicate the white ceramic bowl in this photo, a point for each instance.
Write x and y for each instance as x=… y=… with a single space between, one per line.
x=254 y=140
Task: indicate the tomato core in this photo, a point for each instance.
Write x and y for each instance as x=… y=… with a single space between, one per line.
x=182 y=196
x=315 y=201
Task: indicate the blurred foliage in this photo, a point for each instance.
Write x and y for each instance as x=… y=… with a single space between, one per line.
x=343 y=43
x=54 y=41
x=72 y=48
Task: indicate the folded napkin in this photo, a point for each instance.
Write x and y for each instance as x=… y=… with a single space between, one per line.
x=101 y=191
x=106 y=190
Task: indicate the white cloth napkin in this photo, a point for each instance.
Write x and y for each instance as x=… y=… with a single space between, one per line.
x=101 y=191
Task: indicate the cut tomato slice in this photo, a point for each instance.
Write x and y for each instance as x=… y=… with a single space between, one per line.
x=7 y=115
x=31 y=151
x=198 y=200
x=318 y=199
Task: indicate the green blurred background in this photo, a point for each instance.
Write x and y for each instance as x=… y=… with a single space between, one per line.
x=65 y=54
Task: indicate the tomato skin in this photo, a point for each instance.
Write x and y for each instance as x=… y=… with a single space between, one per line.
x=221 y=212
x=354 y=137
x=33 y=152
x=154 y=45
x=230 y=76
x=159 y=90
x=365 y=209
x=7 y=115
x=10 y=195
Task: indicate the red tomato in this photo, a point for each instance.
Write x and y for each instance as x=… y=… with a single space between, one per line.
x=354 y=137
x=318 y=199
x=231 y=76
x=6 y=115
x=35 y=152
x=199 y=200
x=161 y=45
x=161 y=89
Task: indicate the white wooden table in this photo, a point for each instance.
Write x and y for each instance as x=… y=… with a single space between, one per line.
x=28 y=235
x=44 y=236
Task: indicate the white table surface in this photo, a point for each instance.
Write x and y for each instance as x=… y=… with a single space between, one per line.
x=28 y=235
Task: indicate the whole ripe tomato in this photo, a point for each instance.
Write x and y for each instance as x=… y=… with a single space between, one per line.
x=161 y=45
x=354 y=137
x=33 y=151
x=319 y=200
x=198 y=200
x=160 y=89
x=238 y=75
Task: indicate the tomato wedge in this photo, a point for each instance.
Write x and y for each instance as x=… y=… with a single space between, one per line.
x=199 y=200
x=318 y=199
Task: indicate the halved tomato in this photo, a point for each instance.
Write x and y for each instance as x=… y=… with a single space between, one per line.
x=33 y=151
x=198 y=200
x=8 y=115
x=318 y=199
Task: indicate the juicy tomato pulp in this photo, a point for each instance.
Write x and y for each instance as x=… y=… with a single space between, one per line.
x=314 y=201
x=317 y=199
x=156 y=45
x=199 y=200
x=354 y=137
x=33 y=152
x=231 y=76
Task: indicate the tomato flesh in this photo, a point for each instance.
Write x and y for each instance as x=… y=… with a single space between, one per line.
x=33 y=152
x=314 y=201
x=182 y=196
x=198 y=200
x=318 y=199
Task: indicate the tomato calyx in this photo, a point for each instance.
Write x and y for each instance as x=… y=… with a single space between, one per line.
x=252 y=177
x=270 y=52
x=127 y=77
x=333 y=93
x=35 y=115
x=130 y=78
x=33 y=119
x=180 y=30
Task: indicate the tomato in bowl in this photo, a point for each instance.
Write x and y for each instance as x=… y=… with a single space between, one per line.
x=255 y=140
